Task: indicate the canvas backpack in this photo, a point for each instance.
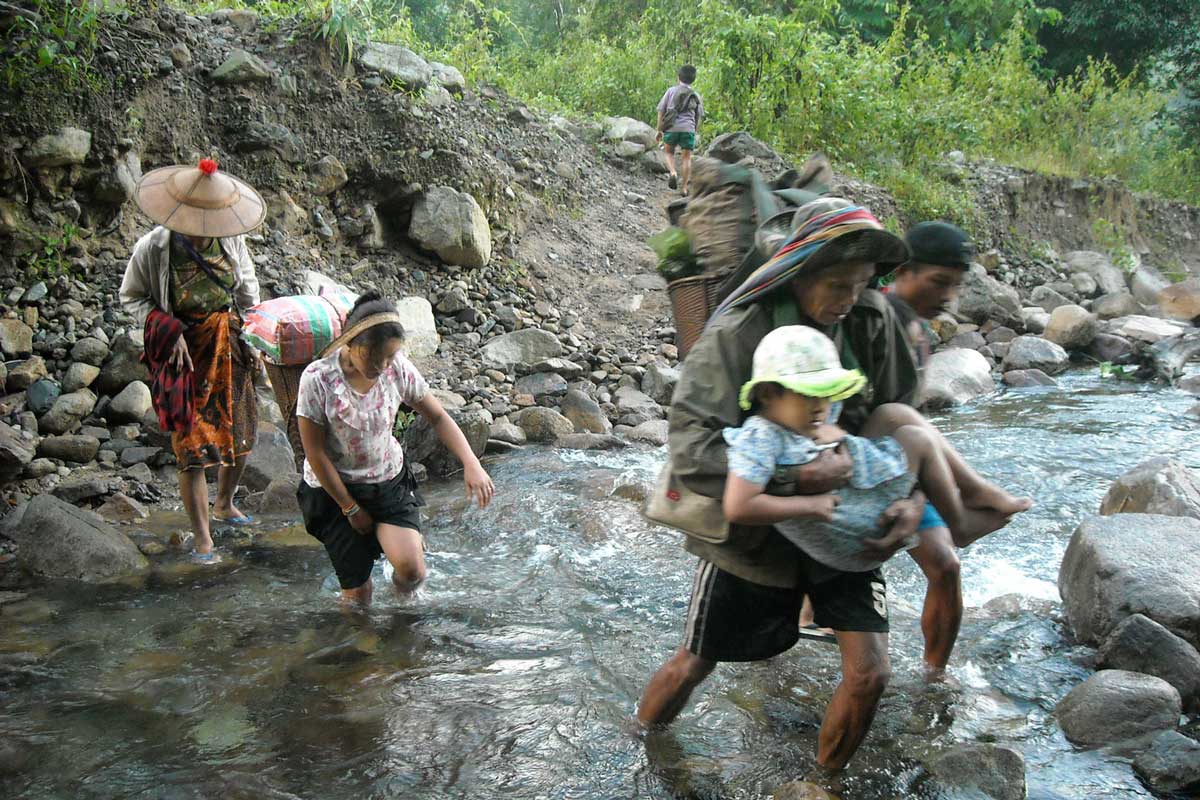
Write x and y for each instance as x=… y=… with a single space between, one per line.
x=685 y=98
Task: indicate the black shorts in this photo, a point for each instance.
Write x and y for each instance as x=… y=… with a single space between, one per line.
x=731 y=619
x=394 y=502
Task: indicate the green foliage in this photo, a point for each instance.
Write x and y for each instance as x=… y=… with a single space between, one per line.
x=1126 y=33
x=57 y=44
x=405 y=417
x=1112 y=239
x=49 y=260
x=1120 y=373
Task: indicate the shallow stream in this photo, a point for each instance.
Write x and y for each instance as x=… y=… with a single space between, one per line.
x=515 y=671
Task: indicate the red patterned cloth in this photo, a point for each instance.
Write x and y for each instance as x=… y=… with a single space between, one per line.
x=172 y=391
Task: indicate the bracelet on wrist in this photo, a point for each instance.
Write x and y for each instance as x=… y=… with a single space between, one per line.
x=351 y=510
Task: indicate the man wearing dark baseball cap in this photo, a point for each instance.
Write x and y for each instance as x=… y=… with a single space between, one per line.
x=940 y=254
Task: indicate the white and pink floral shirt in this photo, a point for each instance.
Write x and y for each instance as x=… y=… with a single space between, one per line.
x=358 y=427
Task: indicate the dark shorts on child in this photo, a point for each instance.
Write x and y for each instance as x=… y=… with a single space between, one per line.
x=395 y=502
x=732 y=619
x=684 y=140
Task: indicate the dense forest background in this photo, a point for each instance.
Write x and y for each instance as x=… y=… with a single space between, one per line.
x=1092 y=88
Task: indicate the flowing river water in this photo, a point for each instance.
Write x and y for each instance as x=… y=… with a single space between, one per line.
x=515 y=671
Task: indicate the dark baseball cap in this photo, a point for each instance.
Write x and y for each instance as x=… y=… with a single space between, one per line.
x=939 y=243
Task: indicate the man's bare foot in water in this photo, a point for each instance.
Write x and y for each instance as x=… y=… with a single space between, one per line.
x=991 y=497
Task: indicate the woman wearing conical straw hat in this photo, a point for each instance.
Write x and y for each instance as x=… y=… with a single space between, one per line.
x=187 y=283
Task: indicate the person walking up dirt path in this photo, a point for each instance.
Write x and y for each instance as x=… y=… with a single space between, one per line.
x=679 y=114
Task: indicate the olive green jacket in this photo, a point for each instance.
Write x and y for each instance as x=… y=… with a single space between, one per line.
x=706 y=402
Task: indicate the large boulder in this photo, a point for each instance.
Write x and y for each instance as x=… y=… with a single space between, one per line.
x=1114 y=705
x=1139 y=644
x=735 y=146
x=1108 y=277
x=1071 y=327
x=271 y=458
x=1030 y=352
x=397 y=62
x=448 y=77
x=421 y=338
x=74 y=449
x=542 y=424
x=1112 y=348
x=1146 y=283
x=451 y=224
x=659 y=382
x=58 y=540
x=1027 y=379
x=954 y=377
x=16 y=452
x=1132 y=564
x=1170 y=765
x=132 y=404
x=584 y=412
x=627 y=129
x=67 y=412
x=984 y=298
x=1181 y=301
x=79 y=376
x=1047 y=299
x=994 y=771
x=1117 y=304
x=68 y=146
x=123 y=367
x=522 y=348
x=1145 y=329
x=422 y=445
x=1160 y=485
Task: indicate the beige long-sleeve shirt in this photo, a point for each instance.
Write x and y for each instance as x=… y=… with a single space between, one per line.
x=147 y=282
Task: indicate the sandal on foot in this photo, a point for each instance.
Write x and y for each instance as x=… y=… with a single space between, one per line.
x=211 y=557
x=814 y=633
x=671 y=182
x=245 y=519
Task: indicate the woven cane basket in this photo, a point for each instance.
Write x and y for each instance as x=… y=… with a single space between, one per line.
x=692 y=302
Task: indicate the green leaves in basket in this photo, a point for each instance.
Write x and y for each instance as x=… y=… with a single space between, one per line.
x=674 y=250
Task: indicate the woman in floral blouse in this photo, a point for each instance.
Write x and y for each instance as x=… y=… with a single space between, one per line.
x=358 y=495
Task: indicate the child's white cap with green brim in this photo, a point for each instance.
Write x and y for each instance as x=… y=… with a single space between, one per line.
x=803 y=360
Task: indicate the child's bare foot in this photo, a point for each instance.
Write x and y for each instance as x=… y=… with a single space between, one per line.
x=977 y=523
x=991 y=497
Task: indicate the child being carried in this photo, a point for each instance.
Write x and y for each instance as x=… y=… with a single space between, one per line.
x=797 y=380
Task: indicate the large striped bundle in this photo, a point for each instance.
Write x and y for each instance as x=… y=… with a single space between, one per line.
x=294 y=330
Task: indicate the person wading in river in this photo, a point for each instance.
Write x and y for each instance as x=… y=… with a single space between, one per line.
x=748 y=591
x=358 y=496
x=187 y=283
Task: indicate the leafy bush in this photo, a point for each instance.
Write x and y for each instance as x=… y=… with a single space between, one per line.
x=55 y=41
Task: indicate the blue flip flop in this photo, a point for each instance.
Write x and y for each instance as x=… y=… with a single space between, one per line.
x=211 y=557
x=242 y=520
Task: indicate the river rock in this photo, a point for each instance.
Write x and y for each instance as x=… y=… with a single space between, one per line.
x=568 y=369
x=1047 y=299
x=280 y=496
x=242 y=67
x=1181 y=301
x=967 y=340
x=22 y=376
x=451 y=224
x=68 y=146
x=1145 y=329
x=1030 y=352
x=1139 y=644
x=524 y=347
x=421 y=338
x=131 y=405
x=58 y=540
x=1111 y=348
x=396 y=62
x=1114 y=705
x=1127 y=564
x=627 y=129
x=16 y=338
x=123 y=508
x=733 y=147
x=1083 y=284
x=1160 y=485
x=1027 y=378
x=953 y=377
x=995 y=771
x=15 y=452
x=1145 y=283
x=542 y=385
x=503 y=430
x=1170 y=765
x=123 y=367
x=448 y=77
x=635 y=407
x=652 y=432
x=584 y=413
x=1108 y=277
x=79 y=376
x=133 y=455
x=1117 y=304
x=67 y=411
x=659 y=382
x=1071 y=327
x=1034 y=319
x=543 y=424
x=589 y=441
x=802 y=790
x=327 y=175
x=41 y=396
x=422 y=445
x=271 y=458
x=984 y=298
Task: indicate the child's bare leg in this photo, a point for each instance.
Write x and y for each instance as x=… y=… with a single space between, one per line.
x=925 y=457
x=977 y=492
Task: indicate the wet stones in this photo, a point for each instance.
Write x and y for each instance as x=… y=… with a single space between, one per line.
x=996 y=771
x=1139 y=644
x=1027 y=378
x=1030 y=352
x=58 y=540
x=422 y=444
x=271 y=458
x=584 y=413
x=1160 y=485
x=1171 y=764
x=1114 y=705
x=956 y=376
x=542 y=424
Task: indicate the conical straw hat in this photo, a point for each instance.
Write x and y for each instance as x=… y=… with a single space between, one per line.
x=199 y=201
